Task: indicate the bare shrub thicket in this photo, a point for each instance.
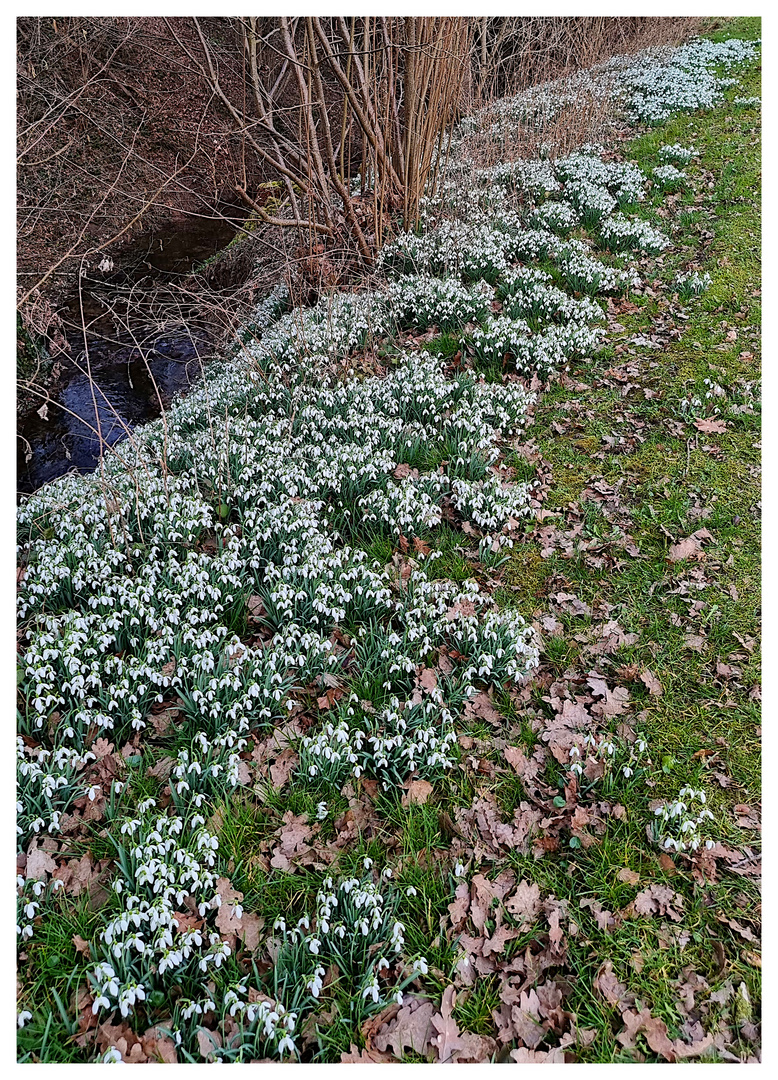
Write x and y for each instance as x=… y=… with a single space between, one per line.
x=348 y=113
x=326 y=131
x=510 y=54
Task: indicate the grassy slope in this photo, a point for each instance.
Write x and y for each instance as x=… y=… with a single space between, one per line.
x=673 y=469
x=699 y=713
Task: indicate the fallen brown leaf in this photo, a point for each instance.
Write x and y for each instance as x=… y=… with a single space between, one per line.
x=417 y=792
x=689 y=547
x=649 y=679
x=409 y=1030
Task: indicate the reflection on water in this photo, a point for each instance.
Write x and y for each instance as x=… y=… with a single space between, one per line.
x=121 y=396
x=126 y=387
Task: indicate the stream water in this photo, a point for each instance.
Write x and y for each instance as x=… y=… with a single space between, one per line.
x=133 y=369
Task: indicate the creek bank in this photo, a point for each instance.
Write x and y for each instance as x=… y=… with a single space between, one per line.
x=135 y=361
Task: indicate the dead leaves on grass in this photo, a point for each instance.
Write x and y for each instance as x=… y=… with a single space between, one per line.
x=689 y=548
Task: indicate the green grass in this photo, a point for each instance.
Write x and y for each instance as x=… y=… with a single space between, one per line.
x=663 y=476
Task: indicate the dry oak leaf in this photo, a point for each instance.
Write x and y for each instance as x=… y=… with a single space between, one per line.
x=474 y=1048
x=659 y=900
x=229 y=899
x=649 y=679
x=366 y=1057
x=159 y=1046
x=527 y=1028
x=39 y=864
x=162 y=769
x=447 y=1040
x=605 y=919
x=283 y=767
x=745 y=932
x=480 y=707
x=525 y=767
x=615 y=702
x=555 y=910
x=417 y=792
x=746 y=817
x=101 y=748
x=711 y=427
x=551 y=625
x=484 y=892
x=654 y=1030
x=256 y=607
x=83 y=875
x=410 y=1029
x=689 y=547
x=612 y=637
x=329 y=697
x=628 y=876
x=293 y=840
x=694 y=1049
x=551 y=999
x=465 y=608
x=162 y=721
x=524 y=904
x=538 y=1057
x=207 y=1042
x=610 y=989
x=123 y=1038
x=428 y=680
x=232 y=921
x=569 y=602
x=372 y=1026
x=458 y=909
x=82 y=946
x=495 y=945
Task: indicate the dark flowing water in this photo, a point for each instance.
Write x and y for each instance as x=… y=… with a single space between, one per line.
x=131 y=372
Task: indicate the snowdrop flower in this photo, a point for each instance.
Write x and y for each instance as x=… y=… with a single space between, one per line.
x=286 y=1045
x=23 y=1017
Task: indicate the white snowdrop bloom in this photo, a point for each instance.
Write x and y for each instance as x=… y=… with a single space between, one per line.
x=23 y=1017
x=286 y=1045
